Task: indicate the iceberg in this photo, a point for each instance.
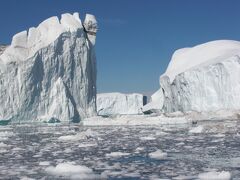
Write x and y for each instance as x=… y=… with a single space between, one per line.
x=204 y=78
x=120 y=104
x=49 y=71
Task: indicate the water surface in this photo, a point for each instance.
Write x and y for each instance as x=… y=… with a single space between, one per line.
x=27 y=151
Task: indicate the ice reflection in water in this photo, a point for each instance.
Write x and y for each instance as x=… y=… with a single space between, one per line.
x=118 y=152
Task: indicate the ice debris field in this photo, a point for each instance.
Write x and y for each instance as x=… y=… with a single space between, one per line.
x=204 y=151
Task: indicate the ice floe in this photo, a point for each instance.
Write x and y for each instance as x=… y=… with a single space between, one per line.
x=197 y=129
x=223 y=175
x=159 y=154
x=117 y=154
x=71 y=170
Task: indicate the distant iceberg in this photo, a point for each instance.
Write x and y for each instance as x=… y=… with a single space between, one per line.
x=110 y=104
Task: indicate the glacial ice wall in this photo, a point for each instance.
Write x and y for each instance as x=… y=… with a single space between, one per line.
x=50 y=72
x=119 y=104
x=205 y=78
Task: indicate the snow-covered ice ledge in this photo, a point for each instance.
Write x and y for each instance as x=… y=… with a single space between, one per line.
x=176 y=118
x=133 y=120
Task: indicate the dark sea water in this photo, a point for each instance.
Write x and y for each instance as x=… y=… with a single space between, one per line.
x=74 y=152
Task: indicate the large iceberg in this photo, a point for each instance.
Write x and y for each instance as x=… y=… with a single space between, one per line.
x=109 y=104
x=50 y=71
x=204 y=78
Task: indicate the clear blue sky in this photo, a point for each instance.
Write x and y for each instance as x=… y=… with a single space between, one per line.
x=136 y=37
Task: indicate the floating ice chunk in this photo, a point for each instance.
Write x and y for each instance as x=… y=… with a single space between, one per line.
x=132 y=175
x=198 y=129
x=87 y=145
x=5 y=134
x=188 y=147
x=3 y=151
x=68 y=150
x=71 y=170
x=180 y=144
x=219 y=135
x=223 y=175
x=44 y=163
x=148 y=138
x=17 y=149
x=76 y=137
x=26 y=178
x=161 y=133
x=90 y=133
x=117 y=154
x=158 y=154
x=79 y=136
x=110 y=173
x=3 y=145
x=138 y=149
x=182 y=177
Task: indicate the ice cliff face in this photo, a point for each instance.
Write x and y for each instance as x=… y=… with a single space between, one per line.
x=50 y=71
x=2 y=48
x=119 y=104
x=203 y=78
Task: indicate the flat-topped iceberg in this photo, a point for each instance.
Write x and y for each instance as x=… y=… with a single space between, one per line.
x=119 y=104
x=205 y=78
x=50 y=71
